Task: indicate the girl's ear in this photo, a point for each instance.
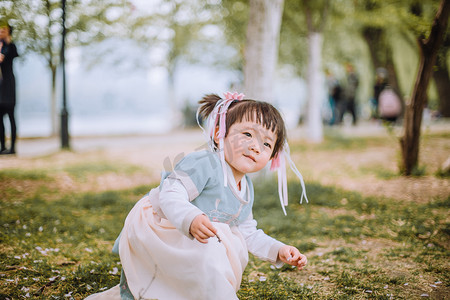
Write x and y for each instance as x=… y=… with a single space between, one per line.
x=216 y=134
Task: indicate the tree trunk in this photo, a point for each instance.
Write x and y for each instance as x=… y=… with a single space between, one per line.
x=315 y=86
x=381 y=53
x=261 y=53
x=442 y=79
x=413 y=114
x=314 y=81
x=175 y=111
x=53 y=109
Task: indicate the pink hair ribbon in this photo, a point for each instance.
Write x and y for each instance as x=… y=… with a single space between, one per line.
x=217 y=118
x=279 y=164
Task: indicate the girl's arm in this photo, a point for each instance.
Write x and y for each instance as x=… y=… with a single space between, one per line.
x=267 y=248
x=174 y=203
x=260 y=244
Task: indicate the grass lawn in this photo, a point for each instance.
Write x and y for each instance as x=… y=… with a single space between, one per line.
x=55 y=242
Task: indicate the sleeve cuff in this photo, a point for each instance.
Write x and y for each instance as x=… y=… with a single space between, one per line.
x=273 y=254
x=186 y=224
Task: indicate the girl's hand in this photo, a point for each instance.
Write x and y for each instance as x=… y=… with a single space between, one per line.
x=291 y=256
x=202 y=229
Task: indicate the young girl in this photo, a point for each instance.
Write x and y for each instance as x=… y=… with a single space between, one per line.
x=190 y=237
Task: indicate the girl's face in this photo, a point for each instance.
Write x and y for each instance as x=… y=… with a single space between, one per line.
x=248 y=147
x=3 y=32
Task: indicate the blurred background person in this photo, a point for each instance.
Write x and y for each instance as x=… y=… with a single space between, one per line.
x=351 y=87
x=334 y=96
x=381 y=81
x=7 y=87
x=388 y=103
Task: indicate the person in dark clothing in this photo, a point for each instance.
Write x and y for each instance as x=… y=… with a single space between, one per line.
x=334 y=96
x=8 y=52
x=351 y=87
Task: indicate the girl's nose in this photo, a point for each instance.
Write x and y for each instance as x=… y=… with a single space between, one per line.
x=254 y=147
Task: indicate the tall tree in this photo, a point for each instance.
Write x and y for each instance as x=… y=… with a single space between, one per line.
x=38 y=29
x=413 y=115
x=316 y=17
x=261 y=50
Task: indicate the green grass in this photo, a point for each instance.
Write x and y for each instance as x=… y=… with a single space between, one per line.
x=358 y=247
x=9 y=174
x=79 y=171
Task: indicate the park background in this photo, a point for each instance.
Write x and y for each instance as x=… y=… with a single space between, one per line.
x=131 y=69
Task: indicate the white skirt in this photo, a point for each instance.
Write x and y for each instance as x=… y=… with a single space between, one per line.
x=161 y=263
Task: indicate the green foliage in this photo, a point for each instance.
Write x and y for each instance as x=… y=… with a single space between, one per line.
x=38 y=24
x=234 y=23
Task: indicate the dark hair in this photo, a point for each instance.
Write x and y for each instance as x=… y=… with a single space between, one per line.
x=247 y=109
x=4 y=23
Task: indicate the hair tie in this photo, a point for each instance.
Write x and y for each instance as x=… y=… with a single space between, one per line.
x=279 y=164
x=217 y=118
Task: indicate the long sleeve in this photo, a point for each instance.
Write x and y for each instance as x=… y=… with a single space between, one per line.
x=260 y=244
x=174 y=203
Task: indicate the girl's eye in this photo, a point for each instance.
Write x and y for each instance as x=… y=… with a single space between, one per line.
x=268 y=145
x=248 y=134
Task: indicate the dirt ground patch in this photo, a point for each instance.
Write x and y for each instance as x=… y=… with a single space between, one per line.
x=371 y=170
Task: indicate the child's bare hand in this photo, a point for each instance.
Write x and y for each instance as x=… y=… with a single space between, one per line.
x=202 y=229
x=291 y=255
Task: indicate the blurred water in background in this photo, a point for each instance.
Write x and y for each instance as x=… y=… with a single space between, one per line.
x=107 y=100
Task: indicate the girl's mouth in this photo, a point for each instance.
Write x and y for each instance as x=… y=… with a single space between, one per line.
x=250 y=157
